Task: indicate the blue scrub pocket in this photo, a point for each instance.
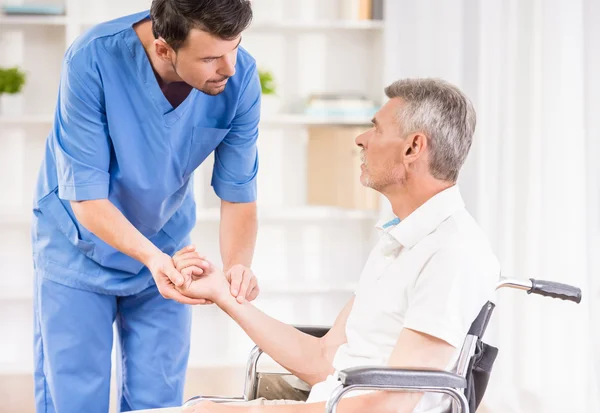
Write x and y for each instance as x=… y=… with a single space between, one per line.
x=93 y=247
x=53 y=208
x=204 y=142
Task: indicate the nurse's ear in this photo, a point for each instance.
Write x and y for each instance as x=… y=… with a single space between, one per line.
x=163 y=50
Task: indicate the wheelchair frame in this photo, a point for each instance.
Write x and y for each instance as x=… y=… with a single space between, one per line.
x=405 y=380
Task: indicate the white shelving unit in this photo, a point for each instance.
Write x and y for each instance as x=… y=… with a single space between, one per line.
x=26 y=120
x=304 y=120
x=273 y=120
x=317 y=25
x=308 y=258
x=20 y=21
x=23 y=218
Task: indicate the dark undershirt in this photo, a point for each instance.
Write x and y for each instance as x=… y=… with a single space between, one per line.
x=175 y=92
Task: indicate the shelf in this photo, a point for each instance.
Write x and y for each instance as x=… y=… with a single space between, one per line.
x=27 y=120
x=305 y=120
x=317 y=25
x=16 y=368
x=22 y=20
x=20 y=297
x=270 y=120
x=15 y=218
x=373 y=25
x=308 y=213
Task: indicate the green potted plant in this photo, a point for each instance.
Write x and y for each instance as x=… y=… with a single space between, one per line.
x=270 y=102
x=12 y=80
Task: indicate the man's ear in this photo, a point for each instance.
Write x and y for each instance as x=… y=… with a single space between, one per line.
x=414 y=148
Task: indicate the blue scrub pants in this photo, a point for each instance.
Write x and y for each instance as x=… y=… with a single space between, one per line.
x=73 y=337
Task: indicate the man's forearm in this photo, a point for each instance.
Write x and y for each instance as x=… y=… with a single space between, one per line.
x=300 y=353
x=238 y=231
x=105 y=221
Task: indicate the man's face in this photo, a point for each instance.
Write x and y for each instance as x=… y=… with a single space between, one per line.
x=383 y=149
x=206 y=62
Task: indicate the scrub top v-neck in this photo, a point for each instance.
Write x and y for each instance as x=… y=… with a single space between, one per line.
x=151 y=85
x=117 y=136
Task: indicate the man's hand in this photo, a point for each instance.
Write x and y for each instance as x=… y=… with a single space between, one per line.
x=168 y=279
x=210 y=286
x=189 y=263
x=243 y=283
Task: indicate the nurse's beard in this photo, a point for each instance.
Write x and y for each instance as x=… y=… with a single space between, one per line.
x=208 y=91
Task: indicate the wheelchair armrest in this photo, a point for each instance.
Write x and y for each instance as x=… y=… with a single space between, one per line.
x=315 y=331
x=389 y=377
x=215 y=399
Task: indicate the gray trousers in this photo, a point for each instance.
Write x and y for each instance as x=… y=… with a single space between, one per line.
x=273 y=389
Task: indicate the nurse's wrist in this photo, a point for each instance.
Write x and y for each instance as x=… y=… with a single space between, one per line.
x=149 y=254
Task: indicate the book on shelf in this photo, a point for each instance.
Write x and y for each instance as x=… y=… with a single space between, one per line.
x=361 y=9
x=32 y=9
x=340 y=106
x=334 y=169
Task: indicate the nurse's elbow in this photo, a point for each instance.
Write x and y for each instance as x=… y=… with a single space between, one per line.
x=79 y=209
x=85 y=210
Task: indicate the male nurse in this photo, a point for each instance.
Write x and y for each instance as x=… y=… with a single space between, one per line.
x=143 y=101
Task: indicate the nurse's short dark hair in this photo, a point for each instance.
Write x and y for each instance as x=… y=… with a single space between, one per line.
x=173 y=19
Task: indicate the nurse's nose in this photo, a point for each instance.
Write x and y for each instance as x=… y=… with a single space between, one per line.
x=227 y=66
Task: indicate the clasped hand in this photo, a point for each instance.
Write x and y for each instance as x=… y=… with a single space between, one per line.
x=190 y=278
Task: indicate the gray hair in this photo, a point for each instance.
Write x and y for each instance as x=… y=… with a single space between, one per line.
x=444 y=114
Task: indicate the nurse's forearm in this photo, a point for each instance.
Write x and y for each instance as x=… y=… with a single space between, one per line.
x=237 y=233
x=105 y=221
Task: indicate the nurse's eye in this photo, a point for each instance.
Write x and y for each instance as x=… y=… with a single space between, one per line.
x=208 y=60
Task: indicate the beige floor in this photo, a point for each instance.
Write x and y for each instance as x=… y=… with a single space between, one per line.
x=16 y=391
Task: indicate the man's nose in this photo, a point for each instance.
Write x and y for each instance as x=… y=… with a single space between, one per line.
x=361 y=140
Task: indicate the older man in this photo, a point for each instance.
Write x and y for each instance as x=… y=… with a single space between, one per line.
x=424 y=282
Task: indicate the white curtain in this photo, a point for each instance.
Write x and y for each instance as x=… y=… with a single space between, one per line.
x=531 y=68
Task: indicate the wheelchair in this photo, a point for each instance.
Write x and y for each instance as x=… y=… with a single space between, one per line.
x=465 y=385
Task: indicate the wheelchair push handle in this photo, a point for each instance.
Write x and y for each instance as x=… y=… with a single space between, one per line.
x=555 y=290
x=544 y=288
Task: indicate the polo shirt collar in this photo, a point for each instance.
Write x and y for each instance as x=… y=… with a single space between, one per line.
x=425 y=219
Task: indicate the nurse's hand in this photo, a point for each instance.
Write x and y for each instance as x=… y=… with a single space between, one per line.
x=210 y=286
x=244 y=285
x=190 y=264
x=168 y=279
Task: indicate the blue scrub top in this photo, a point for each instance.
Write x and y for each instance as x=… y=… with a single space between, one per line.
x=116 y=136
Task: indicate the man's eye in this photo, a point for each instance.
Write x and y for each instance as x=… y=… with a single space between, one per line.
x=208 y=60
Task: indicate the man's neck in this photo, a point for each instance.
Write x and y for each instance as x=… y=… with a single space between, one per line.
x=407 y=198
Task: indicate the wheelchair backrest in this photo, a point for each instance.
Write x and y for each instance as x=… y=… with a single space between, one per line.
x=477 y=358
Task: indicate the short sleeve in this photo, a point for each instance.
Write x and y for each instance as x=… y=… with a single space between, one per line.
x=236 y=157
x=449 y=293
x=81 y=143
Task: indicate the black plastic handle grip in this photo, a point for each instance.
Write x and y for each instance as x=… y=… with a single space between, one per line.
x=555 y=290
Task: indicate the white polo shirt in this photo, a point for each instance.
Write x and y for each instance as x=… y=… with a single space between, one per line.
x=431 y=273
